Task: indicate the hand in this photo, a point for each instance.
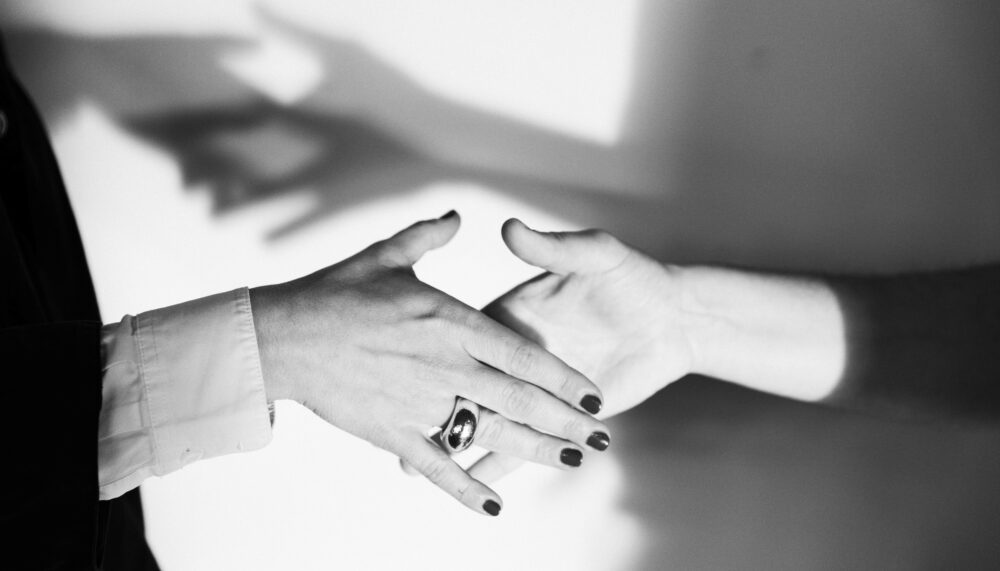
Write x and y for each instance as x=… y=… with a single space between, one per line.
x=376 y=352
x=607 y=310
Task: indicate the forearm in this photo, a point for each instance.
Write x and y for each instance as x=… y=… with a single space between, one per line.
x=781 y=335
x=917 y=344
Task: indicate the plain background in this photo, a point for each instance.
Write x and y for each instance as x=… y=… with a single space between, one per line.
x=212 y=145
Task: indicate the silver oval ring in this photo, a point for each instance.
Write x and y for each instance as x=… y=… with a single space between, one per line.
x=460 y=431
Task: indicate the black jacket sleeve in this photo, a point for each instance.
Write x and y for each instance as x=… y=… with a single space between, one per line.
x=50 y=369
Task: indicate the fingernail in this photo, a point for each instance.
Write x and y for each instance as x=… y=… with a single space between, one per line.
x=599 y=441
x=571 y=457
x=450 y=214
x=491 y=507
x=591 y=404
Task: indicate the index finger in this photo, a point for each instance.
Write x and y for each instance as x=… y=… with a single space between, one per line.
x=492 y=343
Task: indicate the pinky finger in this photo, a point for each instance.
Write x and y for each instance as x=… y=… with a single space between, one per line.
x=494 y=466
x=438 y=467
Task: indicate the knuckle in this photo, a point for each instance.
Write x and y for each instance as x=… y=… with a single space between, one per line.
x=468 y=321
x=379 y=434
x=431 y=369
x=604 y=240
x=543 y=449
x=389 y=254
x=574 y=427
x=491 y=433
x=439 y=308
x=448 y=316
x=375 y=248
x=426 y=309
x=386 y=255
x=435 y=470
x=523 y=360
x=568 y=385
x=462 y=489
x=518 y=399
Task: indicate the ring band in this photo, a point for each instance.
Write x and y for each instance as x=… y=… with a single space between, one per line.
x=460 y=431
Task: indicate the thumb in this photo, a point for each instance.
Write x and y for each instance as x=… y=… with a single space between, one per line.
x=407 y=246
x=587 y=251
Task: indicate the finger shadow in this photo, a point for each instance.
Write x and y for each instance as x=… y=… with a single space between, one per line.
x=244 y=148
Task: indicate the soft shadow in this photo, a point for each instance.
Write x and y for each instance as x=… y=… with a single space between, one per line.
x=726 y=478
x=244 y=148
x=258 y=150
x=793 y=137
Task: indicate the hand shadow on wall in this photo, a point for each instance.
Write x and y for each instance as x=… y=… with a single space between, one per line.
x=726 y=158
x=243 y=147
x=260 y=149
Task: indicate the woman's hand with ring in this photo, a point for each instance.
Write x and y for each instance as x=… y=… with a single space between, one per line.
x=378 y=353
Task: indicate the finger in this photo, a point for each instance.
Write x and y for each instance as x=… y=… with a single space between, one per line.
x=499 y=347
x=587 y=251
x=498 y=434
x=491 y=467
x=502 y=311
x=407 y=468
x=527 y=404
x=443 y=472
x=407 y=246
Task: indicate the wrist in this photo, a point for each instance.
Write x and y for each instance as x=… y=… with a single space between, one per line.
x=266 y=319
x=698 y=318
x=778 y=334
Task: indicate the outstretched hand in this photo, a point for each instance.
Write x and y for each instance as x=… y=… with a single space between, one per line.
x=607 y=310
x=378 y=353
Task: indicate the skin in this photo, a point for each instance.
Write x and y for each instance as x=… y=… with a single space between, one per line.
x=922 y=345
x=378 y=353
x=601 y=305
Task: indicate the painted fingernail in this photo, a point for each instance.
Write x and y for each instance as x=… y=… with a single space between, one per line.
x=591 y=404
x=449 y=214
x=491 y=507
x=599 y=441
x=571 y=457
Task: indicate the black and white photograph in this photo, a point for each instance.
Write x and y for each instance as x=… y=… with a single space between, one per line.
x=590 y=285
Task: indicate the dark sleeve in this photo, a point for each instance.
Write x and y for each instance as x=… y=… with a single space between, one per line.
x=52 y=390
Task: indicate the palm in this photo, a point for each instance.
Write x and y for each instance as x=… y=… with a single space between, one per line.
x=615 y=325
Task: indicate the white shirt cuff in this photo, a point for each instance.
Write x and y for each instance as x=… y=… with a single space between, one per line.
x=181 y=384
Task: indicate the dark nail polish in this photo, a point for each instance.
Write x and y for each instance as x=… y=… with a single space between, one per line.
x=591 y=404
x=491 y=507
x=599 y=441
x=571 y=457
x=449 y=214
